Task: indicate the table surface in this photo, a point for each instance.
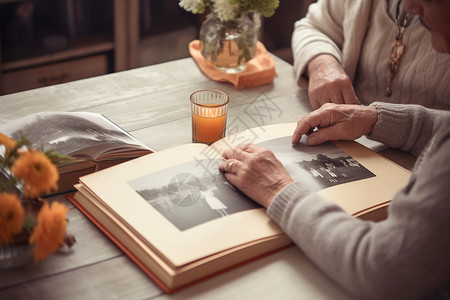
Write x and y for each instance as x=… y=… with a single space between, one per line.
x=152 y=103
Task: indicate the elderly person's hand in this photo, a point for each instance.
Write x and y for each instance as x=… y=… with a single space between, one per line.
x=255 y=171
x=328 y=82
x=336 y=122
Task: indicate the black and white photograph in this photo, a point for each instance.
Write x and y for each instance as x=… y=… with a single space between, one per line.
x=320 y=166
x=202 y=194
x=188 y=199
x=67 y=133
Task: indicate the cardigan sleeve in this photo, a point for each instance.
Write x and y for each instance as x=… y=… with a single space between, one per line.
x=330 y=27
x=319 y=32
x=407 y=127
x=406 y=254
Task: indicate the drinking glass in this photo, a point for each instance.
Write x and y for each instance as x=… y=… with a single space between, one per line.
x=209 y=115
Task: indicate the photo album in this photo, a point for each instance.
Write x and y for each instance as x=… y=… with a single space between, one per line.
x=177 y=217
x=91 y=139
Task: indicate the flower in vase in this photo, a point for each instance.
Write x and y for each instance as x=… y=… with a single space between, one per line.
x=11 y=217
x=8 y=143
x=227 y=10
x=25 y=175
x=39 y=174
x=228 y=36
x=48 y=235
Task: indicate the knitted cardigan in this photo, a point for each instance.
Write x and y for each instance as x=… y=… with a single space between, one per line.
x=360 y=35
x=405 y=256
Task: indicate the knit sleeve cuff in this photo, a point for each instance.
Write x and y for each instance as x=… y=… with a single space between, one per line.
x=392 y=125
x=281 y=205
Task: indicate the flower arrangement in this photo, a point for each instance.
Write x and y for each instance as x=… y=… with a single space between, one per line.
x=25 y=175
x=229 y=35
x=229 y=9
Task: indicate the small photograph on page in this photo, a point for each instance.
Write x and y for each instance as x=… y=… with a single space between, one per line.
x=190 y=198
x=320 y=166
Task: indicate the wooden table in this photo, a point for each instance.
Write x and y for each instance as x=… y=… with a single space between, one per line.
x=152 y=103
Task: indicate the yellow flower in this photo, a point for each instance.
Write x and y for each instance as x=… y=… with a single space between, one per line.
x=48 y=235
x=11 y=217
x=39 y=174
x=7 y=142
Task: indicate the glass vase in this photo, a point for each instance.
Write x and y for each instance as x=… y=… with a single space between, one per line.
x=229 y=45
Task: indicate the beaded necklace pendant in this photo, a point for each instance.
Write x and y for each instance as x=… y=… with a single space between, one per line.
x=397 y=51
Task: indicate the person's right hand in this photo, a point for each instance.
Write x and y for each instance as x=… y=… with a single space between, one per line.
x=328 y=82
x=336 y=122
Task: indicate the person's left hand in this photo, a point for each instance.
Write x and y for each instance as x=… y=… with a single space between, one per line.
x=255 y=171
x=336 y=122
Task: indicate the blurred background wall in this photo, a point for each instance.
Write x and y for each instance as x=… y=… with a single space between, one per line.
x=45 y=42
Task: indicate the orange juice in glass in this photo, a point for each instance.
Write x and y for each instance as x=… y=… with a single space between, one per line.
x=209 y=115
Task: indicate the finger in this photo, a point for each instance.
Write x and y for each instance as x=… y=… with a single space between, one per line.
x=313 y=99
x=226 y=154
x=240 y=151
x=230 y=165
x=337 y=98
x=251 y=148
x=329 y=93
x=301 y=129
x=307 y=124
x=227 y=165
x=315 y=104
x=318 y=97
x=322 y=101
x=223 y=166
x=318 y=137
x=244 y=147
x=349 y=96
x=232 y=178
x=334 y=94
x=331 y=133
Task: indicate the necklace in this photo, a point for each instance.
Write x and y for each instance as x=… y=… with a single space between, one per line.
x=397 y=50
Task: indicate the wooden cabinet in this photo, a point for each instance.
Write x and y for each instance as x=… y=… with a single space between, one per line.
x=54 y=73
x=44 y=42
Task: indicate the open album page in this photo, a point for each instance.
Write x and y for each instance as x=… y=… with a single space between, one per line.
x=180 y=202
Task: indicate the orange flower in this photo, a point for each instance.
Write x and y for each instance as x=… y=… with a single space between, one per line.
x=48 y=235
x=7 y=142
x=11 y=217
x=38 y=172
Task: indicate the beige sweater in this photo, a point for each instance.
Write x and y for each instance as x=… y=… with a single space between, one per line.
x=360 y=34
x=405 y=256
